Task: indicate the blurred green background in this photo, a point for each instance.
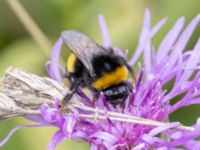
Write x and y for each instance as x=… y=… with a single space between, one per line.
x=124 y=19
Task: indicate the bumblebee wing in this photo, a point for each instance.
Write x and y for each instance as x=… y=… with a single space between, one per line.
x=83 y=47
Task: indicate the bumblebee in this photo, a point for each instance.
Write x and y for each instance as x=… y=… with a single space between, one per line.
x=97 y=68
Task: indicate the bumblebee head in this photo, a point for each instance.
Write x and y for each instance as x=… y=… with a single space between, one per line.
x=117 y=94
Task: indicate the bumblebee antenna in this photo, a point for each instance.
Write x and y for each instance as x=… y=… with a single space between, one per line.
x=131 y=71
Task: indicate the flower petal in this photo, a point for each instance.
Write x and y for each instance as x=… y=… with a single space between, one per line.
x=170 y=39
x=165 y=127
x=157 y=27
x=192 y=62
x=143 y=38
x=104 y=31
x=57 y=139
x=69 y=124
x=15 y=129
x=104 y=136
x=182 y=42
x=55 y=60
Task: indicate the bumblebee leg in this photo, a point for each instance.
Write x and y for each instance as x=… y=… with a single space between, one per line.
x=73 y=89
x=95 y=95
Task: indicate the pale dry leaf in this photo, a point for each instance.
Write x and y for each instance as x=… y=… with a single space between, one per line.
x=23 y=93
x=8 y=107
x=30 y=90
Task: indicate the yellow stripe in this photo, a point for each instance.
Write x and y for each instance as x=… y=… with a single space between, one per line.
x=71 y=63
x=111 y=78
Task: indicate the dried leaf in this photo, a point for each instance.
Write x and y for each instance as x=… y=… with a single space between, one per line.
x=8 y=107
x=29 y=90
x=23 y=93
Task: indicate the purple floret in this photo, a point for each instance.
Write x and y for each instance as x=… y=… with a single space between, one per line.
x=148 y=100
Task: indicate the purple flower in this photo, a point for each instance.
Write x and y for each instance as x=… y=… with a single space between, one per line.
x=148 y=100
x=143 y=122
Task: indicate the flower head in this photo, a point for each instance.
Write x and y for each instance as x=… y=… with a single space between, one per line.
x=148 y=100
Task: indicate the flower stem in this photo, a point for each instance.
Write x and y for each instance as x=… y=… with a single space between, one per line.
x=102 y=115
x=31 y=26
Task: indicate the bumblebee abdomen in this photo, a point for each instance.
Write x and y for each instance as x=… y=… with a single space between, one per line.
x=111 y=78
